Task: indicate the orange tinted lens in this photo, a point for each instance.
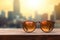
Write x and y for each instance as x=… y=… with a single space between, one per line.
x=48 y=27
x=29 y=26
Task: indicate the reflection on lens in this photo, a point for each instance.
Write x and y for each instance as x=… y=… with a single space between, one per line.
x=47 y=26
x=29 y=26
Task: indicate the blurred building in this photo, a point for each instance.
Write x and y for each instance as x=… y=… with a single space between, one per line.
x=44 y=16
x=2 y=13
x=37 y=17
x=17 y=9
x=30 y=18
x=57 y=15
x=53 y=16
x=10 y=15
x=57 y=11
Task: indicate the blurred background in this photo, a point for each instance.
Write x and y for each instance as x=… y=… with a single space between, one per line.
x=14 y=12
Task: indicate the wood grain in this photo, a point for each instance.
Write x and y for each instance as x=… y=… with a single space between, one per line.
x=30 y=37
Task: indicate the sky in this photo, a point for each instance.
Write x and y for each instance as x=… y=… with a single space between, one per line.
x=29 y=7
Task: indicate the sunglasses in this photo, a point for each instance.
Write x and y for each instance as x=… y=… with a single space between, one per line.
x=46 y=26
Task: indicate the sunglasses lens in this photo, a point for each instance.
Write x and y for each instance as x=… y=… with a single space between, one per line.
x=29 y=26
x=47 y=26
